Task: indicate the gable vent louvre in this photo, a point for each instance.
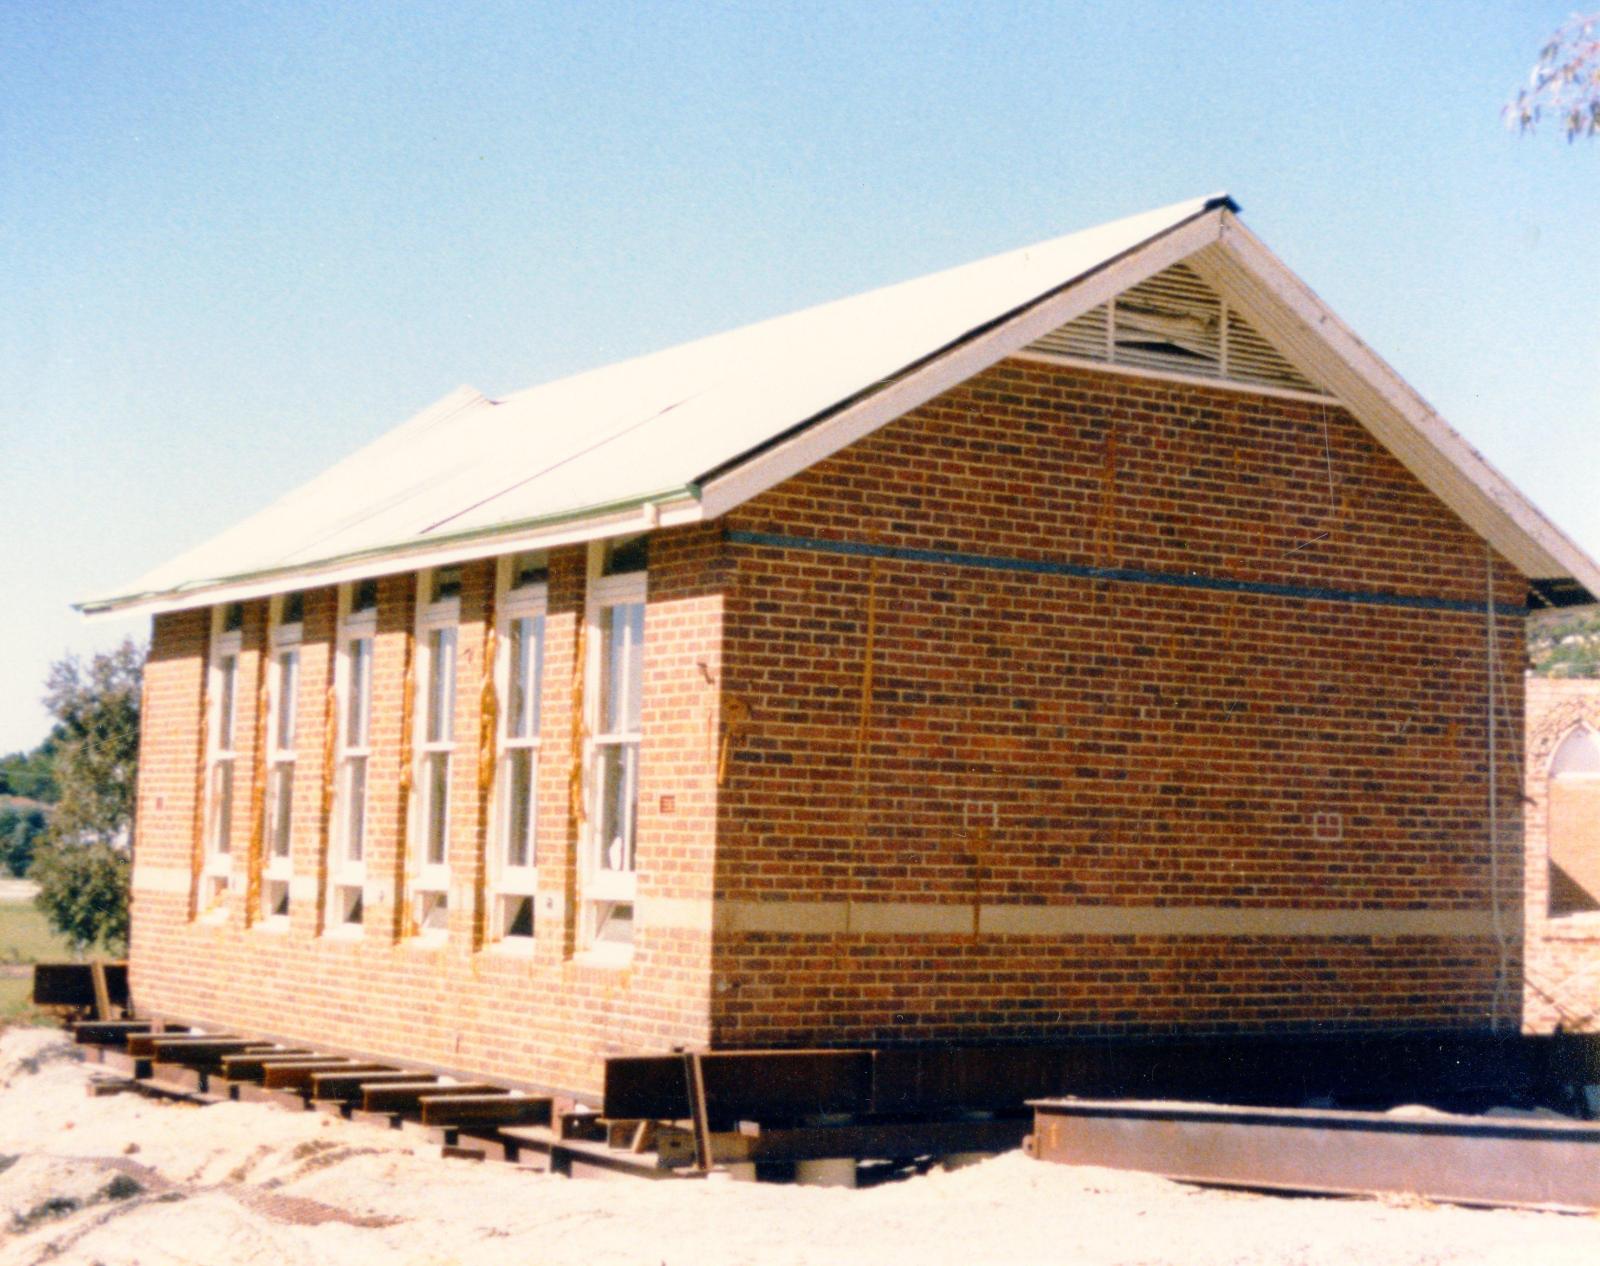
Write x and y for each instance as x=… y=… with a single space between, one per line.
x=1174 y=322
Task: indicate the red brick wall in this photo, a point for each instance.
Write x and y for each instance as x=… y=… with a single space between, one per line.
x=1252 y=805
x=1563 y=951
x=1211 y=762
x=546 y=1017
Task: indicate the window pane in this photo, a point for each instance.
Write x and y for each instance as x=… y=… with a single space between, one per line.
x=616 y=924
x=618 y=788
x=635 y=691
x=623 y=685
x=446 y=583
x=520 y=818
x=519 y=653
x=288 y=688
x=227 y=671
x=441 y=685
x=518 y=915
x=364 y=597
x=282 y=804
x=355 y=824
x=356 y=714
x=293 y=610
x=436 y=773
x=222 y=806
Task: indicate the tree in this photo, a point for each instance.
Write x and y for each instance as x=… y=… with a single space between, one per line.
x=22 y=823
x=30 y=774
x=83 y=891
x=1565 y=81
x=96 y=706
x=83 y=869
x=1565 y=645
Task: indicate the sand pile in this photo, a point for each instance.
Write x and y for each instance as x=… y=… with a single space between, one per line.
x=123 y=1179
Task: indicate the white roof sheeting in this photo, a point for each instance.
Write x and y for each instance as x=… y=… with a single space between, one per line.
x=631 y=443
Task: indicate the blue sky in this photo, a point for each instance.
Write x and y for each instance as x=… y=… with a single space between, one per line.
x=239 y=240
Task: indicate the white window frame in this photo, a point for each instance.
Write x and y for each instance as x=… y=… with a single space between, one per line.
x=348 y=835
x=283 y=733
x=428 y=881
x=222 y=763
x=607 y=891
x=509 y=882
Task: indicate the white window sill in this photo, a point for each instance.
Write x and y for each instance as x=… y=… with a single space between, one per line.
x=344 y=932
x=511 y=947
x=612 y=956
x=435 y=939
x=277 y=925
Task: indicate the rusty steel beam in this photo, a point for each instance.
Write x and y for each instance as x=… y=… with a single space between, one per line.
x=1514 y=1161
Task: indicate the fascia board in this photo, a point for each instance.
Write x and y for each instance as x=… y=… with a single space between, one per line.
x=971 y=355
x=673 y=510
x=1290 y=312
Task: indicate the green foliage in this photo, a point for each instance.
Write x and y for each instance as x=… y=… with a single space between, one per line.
x=1565 y=646
x=1565 y=82
x=30 y=774
x=83 y=869
x=22 y=826
x=83 y=891
x=96 y=706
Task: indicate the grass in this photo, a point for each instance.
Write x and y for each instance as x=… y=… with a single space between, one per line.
x=25 y=937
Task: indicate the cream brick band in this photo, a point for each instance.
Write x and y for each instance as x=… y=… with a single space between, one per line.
x=1071 y=920
x=926 y=918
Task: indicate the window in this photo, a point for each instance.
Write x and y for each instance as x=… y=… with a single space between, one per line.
x=222 y=702
x=347 y=868
x=1574 y=825
x=616 y=610
x=283 y=692
x=428 y=859
x=514 y=851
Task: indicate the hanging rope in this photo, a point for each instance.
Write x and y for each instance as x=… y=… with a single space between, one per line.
x=197 y=851
x=258 y=789
x=330 y=743
x=580 y=729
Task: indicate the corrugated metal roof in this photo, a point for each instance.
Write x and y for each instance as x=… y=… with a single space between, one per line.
x=632 y=442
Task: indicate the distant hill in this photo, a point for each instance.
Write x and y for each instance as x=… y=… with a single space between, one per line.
x=1564 y=642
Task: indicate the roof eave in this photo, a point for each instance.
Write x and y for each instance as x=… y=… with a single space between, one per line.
x=664 y=508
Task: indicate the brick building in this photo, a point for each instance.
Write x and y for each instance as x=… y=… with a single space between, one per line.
x=1096 y=639
x=1563 y=855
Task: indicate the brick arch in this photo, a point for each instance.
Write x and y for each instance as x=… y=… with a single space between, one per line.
x=1550 y=728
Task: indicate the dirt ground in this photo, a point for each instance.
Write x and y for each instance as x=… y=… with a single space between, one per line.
x=123 y=1179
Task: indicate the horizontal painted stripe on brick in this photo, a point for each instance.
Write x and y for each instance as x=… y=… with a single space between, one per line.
x=943 y=918
x=1124 y=575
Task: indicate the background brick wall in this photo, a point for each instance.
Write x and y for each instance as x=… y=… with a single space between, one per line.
x=1051 y=740
x=1563 y=953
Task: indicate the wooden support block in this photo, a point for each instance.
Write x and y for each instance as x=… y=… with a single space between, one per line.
x=107 y=1032
x=405 y=1096
x=200 y=1051
x=344 y=1086
x=101 y=1087
x=248 y=1065
x=288 y=1100
x=455 y=1151
x=582 y=1125
x=619 y=1133
x=486 y=1109
x=296 y=1075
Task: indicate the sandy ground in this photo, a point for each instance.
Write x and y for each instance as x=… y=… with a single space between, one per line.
x=123 y=1179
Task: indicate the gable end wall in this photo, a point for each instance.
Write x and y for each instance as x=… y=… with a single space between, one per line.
x=975 y=798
